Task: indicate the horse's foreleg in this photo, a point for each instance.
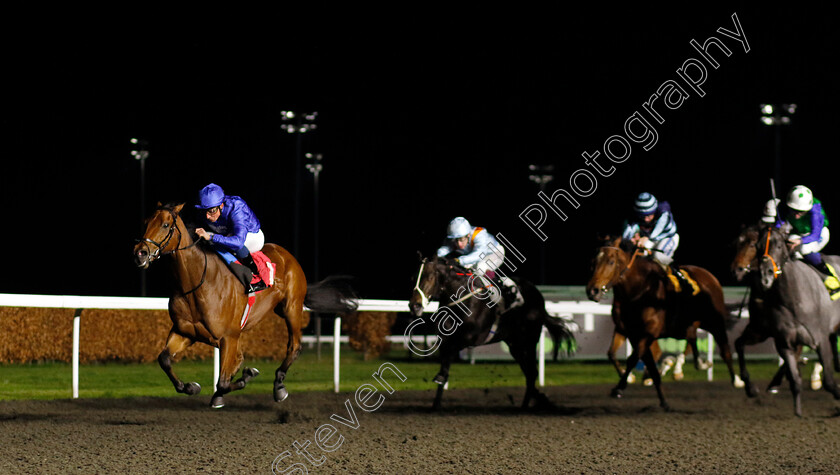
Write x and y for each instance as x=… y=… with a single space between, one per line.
x=446 y=355
x=231 y=359
x=176 y=343
x=618 y=391
x=833 y=340
x=653 y=371
x=790 y=363
x=749 y=337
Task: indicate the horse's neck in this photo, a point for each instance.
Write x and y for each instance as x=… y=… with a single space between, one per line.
x=635 y=281
x=188 y=261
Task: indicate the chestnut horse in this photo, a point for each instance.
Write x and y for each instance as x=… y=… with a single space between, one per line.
x=645 y=308
x=208 y=302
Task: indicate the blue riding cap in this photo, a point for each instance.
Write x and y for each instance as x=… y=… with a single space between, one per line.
x=210 y=196
x=645 y=204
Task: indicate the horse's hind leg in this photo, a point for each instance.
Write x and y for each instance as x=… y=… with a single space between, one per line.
x=718 y=332
x=825 y=354
x=292 y=313
x=176 y=343
x=526 y=356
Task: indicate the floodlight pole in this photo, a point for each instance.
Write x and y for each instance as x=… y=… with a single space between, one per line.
x=777 y=115
x=299 y=124
x=141 y=154
x=541 y=175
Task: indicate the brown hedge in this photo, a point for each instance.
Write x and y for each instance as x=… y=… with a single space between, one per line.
x=368 y=332
x=46 y=334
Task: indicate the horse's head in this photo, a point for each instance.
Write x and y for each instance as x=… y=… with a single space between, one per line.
x=435 y=276
x=774 y=253
x=607 y=267
x=745 y=252
x=157 y=240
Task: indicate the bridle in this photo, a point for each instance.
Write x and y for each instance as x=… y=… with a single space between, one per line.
x=424 y=299
x=777 y=271
x=636 y=252
x=159 y=246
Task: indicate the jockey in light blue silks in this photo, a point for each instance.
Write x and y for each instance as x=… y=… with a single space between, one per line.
x=809 y=233
x=234 y=229
x=654 y=229
x=473 y=247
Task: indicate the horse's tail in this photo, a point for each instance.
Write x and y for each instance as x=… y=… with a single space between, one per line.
x=562 y=333
x=335 y=294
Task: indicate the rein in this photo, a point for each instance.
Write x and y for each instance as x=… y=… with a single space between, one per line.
x=425 y=299
x=159 y=252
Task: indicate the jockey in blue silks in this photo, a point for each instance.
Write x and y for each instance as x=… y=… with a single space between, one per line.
x=806 y=217
x=653 y=228
x=234 y=229
x=479 y=250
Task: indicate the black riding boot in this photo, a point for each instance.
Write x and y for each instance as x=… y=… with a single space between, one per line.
x=248 y=261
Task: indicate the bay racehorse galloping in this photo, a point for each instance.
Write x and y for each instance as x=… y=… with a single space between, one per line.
x=743 y=266
x=474 y=320
x=645 y=309
x=208 y=302
x=797 y=307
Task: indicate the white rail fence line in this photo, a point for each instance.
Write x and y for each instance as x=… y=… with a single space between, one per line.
x=557 y=309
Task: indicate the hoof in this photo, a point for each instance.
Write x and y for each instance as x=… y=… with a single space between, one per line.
x=192 y=389
x=773 y=390
x=752 y=390
x=250 y=373
x=217 y=402
x=280 y=394
x=616 y=393
x=631 y=378
x=648 y=382
x=439 y=379
x=665 y=407
x=678 y=376
x=738 y=382
x=816 y=385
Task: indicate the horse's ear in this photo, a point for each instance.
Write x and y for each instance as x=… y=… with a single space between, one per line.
x=420 y=256
x=178 y=207
x=616 y=241
x=159 y=205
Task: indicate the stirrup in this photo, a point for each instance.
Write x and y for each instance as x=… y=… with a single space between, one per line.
x=256 y=287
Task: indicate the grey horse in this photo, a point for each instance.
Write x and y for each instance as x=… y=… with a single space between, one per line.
x=798 y=308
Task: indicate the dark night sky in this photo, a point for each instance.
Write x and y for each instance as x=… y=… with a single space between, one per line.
x=418 y=123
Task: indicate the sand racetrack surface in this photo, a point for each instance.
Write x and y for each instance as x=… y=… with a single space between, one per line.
x=711 y=428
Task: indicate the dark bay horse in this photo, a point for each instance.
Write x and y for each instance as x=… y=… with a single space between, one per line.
x=463 y=298
x=797 y=307
x=744 y=265
x=208 y=302
x=644 y=309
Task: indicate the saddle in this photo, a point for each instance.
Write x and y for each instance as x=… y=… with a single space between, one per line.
x=266 y=268
x=832 y=282
x=675 y=274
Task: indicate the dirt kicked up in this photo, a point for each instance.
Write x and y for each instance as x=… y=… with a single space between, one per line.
x=711 y=428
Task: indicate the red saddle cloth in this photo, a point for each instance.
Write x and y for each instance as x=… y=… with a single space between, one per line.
x=267 y=268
